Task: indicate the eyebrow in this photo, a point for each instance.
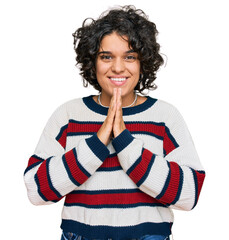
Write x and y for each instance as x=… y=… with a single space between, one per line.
x=108 y=52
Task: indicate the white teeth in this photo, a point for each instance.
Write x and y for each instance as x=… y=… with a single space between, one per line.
x=118 y=79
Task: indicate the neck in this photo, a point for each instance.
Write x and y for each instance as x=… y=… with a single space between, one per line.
x=127 y=101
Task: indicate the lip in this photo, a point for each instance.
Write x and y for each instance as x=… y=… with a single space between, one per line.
x=118 y=82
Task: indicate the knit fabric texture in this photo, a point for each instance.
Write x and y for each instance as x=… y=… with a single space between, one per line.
x=126 y=189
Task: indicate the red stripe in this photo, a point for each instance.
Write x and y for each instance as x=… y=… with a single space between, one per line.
x=111 y=162
x=33 y=160
x=146 y=127
x=75 y=127
x=173 y=186
x=168 y=144
x=200 y=179
x=141 y=168
x=63 y=138
x=109 y=198
x=83 y=127
x=76 y=173
x=43 y=183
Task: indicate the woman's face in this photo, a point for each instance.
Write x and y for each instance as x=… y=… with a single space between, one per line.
x=117 y=66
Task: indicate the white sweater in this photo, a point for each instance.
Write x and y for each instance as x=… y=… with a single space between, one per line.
x=125 y=189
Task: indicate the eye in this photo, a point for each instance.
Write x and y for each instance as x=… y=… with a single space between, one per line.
x=105 y=57
x=130 y=58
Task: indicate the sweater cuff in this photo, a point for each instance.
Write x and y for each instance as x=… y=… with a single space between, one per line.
x=97 y=147
x=122 y=140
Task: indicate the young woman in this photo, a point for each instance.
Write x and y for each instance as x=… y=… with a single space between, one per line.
x=121 y=160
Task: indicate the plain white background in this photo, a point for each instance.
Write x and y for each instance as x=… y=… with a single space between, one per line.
x=38 y=74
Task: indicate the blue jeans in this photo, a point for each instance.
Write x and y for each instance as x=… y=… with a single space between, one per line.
x=73 y=236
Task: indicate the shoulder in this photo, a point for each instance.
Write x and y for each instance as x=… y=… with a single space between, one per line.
x=63 y=113
x=166 y=112
x=70 y=106
x=163 y=107
x=70 y=103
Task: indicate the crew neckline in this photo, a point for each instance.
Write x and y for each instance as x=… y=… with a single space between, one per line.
x=94 y=106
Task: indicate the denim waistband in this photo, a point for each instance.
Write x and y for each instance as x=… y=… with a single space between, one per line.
x=73 y=236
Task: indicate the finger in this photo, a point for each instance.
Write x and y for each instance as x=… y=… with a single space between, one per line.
x=113 y=101
x=119 y=94
x=118 y=114
x=119 y=124
x=112 y=107
x=114 y=96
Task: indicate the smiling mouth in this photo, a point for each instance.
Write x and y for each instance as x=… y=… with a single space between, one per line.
x=118 y=79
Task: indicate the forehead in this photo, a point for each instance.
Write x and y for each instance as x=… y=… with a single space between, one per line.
x=114 y=43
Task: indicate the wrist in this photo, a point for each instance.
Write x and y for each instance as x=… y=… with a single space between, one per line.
x=103 y=139
x=122 y=140
x=118 y=132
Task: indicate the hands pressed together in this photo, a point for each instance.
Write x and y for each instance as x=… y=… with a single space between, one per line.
x=113 y=124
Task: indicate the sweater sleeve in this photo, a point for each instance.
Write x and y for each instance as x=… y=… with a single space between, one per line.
x=176 y=178
x=53 y=172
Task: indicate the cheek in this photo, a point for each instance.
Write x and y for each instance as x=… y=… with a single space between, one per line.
x=101 y=68
x=135 y=70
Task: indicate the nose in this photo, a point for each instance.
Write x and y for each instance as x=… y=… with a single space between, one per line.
x=118 y=65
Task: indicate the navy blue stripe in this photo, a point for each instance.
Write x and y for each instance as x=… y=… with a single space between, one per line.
x=91 y=104
x=95 y=107
x=148 y=133
x=69 y=172
x=61 y=132
x=181 y=180
x=112 y=155
x=166 y=183
x=38 y=185
x=31 y=166
x=49 y=180
x=70 y=134
x=128 y=172
x=85 y=122
x=139 y=183
x=34 y=164
x=39 y=189
x=170 y=136
x=97 y=147
x=115 y=205
x=38 y=158
x=110 y=191
x=162 y=124
x=196 y=187
x=122 y=140
x=129 y=122
x=164 y=152
x=109 y=169
x=82 y=169
x=106 y=232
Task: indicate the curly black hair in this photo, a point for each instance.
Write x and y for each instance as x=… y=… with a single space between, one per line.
x=126 y=21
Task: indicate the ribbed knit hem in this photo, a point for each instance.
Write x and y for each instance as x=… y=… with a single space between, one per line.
x=122 y=140
x=117 y=233
x=97 y=147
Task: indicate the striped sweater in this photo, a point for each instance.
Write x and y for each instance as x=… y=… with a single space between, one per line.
x=125 y=189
